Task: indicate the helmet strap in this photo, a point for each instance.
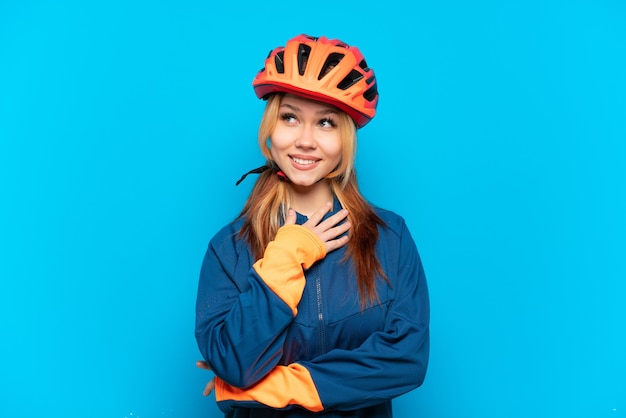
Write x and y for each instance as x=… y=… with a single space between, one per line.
x=281 y=175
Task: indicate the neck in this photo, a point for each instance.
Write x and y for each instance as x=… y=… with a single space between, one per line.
x=307 y=200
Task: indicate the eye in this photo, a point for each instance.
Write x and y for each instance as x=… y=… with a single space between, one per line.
x=328 y=123
x=289 y=118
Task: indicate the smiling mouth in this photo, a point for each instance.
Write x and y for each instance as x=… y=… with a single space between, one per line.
x=303 y=161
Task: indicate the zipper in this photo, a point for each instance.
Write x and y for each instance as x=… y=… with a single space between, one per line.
x=321 y=333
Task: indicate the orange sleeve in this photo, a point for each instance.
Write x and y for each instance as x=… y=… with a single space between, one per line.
x=294 y=249
x=283 y=386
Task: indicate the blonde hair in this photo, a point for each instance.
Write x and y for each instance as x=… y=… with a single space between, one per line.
x=265 y=209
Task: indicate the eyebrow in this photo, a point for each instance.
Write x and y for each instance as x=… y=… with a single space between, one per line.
x=319 y=112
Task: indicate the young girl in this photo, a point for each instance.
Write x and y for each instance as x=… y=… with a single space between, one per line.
x=312 y=302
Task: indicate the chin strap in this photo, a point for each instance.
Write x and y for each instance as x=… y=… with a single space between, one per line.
x=262 y=169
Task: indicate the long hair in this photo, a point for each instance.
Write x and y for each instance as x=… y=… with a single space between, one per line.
x=266 y=207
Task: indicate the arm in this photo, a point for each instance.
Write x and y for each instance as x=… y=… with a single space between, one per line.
x=388 y=364
x=241 y=321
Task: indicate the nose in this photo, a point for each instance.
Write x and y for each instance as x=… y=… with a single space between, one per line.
x=306 y=137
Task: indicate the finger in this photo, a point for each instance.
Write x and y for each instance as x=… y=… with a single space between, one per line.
x=331 y=229
x=209 y=387
x=201 y=364
x=291 y=217
x=335 y=232
x=338 y=230
x=317 y=216
x=334 y=244
x=333 y=220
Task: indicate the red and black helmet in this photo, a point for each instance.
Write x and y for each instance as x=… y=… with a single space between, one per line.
x=322 y=69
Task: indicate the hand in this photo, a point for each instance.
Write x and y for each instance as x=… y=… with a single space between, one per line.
x=211 y=385
x=328 y=230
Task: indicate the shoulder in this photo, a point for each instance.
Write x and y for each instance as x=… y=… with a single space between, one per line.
x=394 y=233
x=393 y=222
x=227 y=238
x=395 y=242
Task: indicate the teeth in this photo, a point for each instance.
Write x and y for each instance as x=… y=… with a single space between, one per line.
x=303 y=162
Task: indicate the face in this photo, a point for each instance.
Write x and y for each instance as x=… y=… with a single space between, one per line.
x=306 y=143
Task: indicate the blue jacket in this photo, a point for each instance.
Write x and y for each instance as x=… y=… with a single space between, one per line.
x=287 y=337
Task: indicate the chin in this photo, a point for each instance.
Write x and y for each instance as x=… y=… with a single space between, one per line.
x=305 y=181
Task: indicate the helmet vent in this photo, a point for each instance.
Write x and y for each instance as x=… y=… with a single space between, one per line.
x=303 y=57
x=331 y=62
x=363 y=65
x=350 y=80
x=279 y=61
x=371 y=93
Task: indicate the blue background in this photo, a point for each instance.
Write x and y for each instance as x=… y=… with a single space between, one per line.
x=500 y=138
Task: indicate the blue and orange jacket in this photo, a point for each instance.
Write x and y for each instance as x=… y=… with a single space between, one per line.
x=286 y=335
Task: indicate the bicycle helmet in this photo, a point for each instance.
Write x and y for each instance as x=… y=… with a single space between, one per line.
x=321 y=69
